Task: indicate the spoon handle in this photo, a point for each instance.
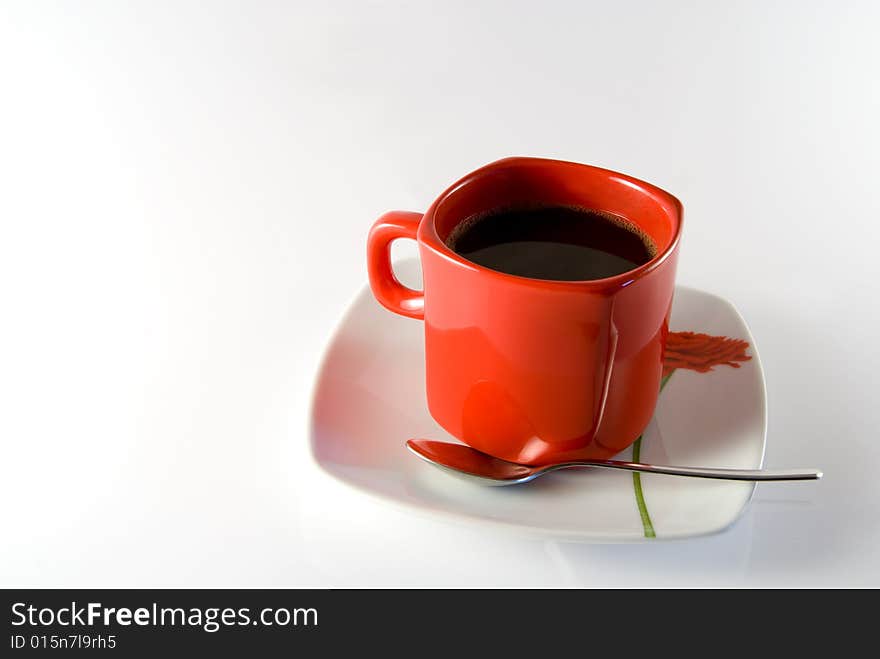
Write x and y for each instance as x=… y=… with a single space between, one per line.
x=701 y=472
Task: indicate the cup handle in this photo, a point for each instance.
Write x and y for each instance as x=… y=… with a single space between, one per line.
x=388 y=290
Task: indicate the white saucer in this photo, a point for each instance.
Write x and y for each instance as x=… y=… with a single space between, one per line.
x=370 y=398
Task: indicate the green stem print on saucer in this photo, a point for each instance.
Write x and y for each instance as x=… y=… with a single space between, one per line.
x=694 y=352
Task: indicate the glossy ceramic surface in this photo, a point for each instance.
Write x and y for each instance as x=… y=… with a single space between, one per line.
x=370 y=398
x=528 y=370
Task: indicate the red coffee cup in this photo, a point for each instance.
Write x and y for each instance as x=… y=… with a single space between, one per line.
x=531 y=370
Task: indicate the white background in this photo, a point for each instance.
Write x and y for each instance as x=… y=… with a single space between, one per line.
x=185 y=191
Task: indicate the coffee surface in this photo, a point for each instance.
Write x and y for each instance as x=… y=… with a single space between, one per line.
x=553 y=242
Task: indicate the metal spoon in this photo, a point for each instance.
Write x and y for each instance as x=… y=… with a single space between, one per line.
x=477 y=467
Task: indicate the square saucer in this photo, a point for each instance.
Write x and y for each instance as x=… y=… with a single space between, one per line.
x=369 y=399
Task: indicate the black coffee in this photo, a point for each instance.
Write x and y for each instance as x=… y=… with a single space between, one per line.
x=552 y=242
